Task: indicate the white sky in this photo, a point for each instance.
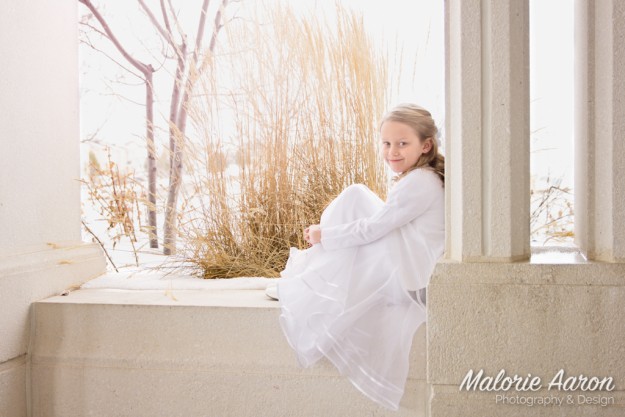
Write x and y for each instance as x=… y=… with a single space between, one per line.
x=417 y=24
x=551 y=88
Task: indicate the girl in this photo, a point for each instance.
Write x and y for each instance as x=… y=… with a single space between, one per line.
x=357 y=295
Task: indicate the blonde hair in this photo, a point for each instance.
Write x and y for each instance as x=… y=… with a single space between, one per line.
x=420 y=120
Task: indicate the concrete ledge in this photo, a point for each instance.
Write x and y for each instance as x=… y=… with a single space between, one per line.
x=525 y=318
x=575 y=273
x=33 y=274
x=188 y=353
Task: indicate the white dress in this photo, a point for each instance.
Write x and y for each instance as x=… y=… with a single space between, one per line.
x=347 y=298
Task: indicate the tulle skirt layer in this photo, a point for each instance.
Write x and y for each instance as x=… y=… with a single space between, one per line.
x=349 y=305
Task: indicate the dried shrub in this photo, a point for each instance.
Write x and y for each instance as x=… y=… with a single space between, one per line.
x=116 y=195
x=304 y=98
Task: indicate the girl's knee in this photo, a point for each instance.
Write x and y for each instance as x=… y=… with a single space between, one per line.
x=362 y=194
x=357 y=189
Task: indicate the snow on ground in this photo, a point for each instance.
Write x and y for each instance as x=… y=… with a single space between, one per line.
x=158 y=280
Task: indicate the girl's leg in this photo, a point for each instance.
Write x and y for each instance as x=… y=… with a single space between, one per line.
x=354 y=202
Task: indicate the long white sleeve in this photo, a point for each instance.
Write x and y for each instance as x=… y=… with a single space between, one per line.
x=407 y=200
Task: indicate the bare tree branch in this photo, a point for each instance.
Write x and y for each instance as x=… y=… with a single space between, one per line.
x=233 y=19
x=88 y=42
x=163 y=58
x=139 y=65
x=167 y=35
x=165 y=17
x=120 y=79
x=101 y=245
x=216 y=28
x=95 y=29
x=93 y=136
x=174 y=107
x=177 y=22
x=113 y=94
x=200 y=30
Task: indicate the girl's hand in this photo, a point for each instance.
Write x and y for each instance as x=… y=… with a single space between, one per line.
x=312 y=234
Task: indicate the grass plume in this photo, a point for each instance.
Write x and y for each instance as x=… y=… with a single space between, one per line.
x=304 y=98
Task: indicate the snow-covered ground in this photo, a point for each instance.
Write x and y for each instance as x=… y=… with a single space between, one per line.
x=159 y=280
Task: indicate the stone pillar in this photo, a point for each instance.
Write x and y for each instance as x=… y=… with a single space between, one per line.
x=533 y=317
x=487 y=101
x=40 y=239
x=600 y=129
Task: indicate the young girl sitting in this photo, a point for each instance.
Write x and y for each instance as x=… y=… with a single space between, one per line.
x=357 y=295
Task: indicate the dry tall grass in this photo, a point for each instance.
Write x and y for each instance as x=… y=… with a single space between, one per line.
x=305 y=96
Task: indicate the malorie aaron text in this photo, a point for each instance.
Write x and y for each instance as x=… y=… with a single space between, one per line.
x=501 y=382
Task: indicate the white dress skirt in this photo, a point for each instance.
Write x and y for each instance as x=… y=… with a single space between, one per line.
x=351 y=304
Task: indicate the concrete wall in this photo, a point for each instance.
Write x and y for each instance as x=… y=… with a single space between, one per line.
x=525 y=318
x=40 y=248
x=39 y=165
x=188 y=353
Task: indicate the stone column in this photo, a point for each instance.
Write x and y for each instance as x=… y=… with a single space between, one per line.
x=486 y=312
x=600 y=129
x=41 y=252
x=487 y=101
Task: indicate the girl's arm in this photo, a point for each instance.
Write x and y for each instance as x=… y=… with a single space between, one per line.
x=407 y=200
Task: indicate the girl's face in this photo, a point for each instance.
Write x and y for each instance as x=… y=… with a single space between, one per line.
x=401 y=147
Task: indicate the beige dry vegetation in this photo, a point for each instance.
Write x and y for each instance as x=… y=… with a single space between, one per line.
x=305 y=97
x=552 y=214
x=117 y=196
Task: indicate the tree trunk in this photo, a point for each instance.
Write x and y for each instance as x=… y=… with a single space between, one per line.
x=175 y=179
x=149 y=110
x=175 y=176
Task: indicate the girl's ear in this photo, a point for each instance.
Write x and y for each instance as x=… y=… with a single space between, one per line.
x=427 y=145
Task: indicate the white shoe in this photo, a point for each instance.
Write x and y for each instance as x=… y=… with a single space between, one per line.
x=272 y=291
